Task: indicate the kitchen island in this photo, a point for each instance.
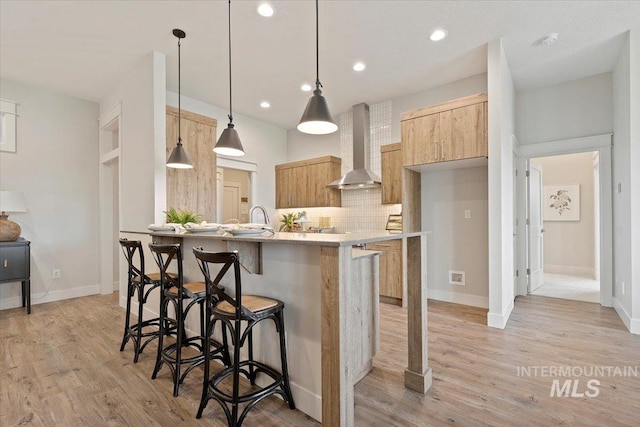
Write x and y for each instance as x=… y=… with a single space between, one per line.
x=330 y=291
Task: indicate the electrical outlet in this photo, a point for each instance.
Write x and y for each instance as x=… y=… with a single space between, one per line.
x=55 y=274
x=467 y=213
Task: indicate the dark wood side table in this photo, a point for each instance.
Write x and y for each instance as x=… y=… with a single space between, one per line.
x=15 y=266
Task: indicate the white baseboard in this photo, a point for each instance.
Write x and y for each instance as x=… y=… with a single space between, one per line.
x=570 y=270
x=499 y=320
x=50 y=296
x=633 y=325
x=458 y=298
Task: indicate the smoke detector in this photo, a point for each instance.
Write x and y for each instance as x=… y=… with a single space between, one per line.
x=550 y=39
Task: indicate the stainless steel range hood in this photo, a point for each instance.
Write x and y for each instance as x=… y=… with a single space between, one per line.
x=360 y=177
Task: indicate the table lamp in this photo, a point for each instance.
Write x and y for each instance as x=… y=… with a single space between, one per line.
x=10 y=201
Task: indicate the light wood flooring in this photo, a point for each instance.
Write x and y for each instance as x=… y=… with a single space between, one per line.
x=60 y=366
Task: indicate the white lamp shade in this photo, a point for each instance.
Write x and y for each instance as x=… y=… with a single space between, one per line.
x=12 y=201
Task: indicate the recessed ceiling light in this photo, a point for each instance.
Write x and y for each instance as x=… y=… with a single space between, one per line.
x=265 y=104
x=265 y=9
x=438 y=35
x=306 y=87
x=359 y=66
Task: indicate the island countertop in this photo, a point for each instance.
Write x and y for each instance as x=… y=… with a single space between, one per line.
x=315 y=239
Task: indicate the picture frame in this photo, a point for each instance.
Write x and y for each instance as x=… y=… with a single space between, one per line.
x=8 y=125
x=561 y=202
x=394 y=223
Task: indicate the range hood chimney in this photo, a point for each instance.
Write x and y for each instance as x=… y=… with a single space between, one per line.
x=360 y=177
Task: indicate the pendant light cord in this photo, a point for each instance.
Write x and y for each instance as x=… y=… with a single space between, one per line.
x=230 y=97
x=179 y=109
x=318 y=84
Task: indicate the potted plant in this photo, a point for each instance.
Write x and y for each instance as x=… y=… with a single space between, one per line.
x=179 y=216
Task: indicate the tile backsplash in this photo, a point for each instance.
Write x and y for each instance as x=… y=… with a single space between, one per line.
x=361 y=209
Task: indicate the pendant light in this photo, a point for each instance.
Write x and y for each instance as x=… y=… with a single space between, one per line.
x=316 y=118
x=229 y=143
x=179 y=158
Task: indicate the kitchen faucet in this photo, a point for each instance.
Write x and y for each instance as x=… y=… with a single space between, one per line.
x=264 y=213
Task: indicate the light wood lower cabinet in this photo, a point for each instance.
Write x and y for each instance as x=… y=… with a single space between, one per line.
x=451 y=131
x=303 y=184
x=390 y=270
x=391 y=159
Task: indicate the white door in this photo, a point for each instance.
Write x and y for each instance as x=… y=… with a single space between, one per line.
x=231 y=201
x=536 y=259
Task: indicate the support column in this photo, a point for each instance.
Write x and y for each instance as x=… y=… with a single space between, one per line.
x=417 y=376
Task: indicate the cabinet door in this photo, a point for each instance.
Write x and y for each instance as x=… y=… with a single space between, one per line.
x=319 y=176
x=391 y=176
x=390 y=267
x=420 y=140
x=14 y=262
x=284 y=179
x=468 y=132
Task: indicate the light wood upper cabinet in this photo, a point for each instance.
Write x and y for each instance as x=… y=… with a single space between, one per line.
x=391 y=159
x=303 y=184
x=193 y=189
x=451 y=131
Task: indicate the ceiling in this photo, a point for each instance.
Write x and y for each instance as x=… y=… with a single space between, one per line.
x=84 y=48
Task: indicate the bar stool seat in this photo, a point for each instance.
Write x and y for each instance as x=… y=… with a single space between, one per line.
x=253 y=303
x=141 y=332
x=239 y=315
x=176 y=292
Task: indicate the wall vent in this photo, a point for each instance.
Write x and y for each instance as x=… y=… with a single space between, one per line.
x=456 y=278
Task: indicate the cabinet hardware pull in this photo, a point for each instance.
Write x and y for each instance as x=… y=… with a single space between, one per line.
x=435 y=150
x=442 y=149
x=5 y=263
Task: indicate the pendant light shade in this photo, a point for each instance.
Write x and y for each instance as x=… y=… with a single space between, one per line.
x=316 y=118
x=229 y=143
x=179 y=158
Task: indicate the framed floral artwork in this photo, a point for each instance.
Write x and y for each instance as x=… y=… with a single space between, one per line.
x=561 y=202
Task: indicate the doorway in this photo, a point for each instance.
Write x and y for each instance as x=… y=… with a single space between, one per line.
x=236 y=187
x=110 y=142
x=563 y=249
x=599 y=147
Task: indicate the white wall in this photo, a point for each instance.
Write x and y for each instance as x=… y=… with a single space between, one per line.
x=56 y=168
x=141 y=94
x=456 y=243
x=264 y=143
x=567 y=110
x=301 y=146
x=501 y=93
x=634 y=187
x=569 y=246
x=626 y=203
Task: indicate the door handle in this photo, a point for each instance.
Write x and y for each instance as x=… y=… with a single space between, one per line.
x=543 y=230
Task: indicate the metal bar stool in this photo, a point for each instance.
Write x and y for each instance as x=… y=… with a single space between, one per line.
x=233 y=312
x=142 y=332
x=176 y=292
